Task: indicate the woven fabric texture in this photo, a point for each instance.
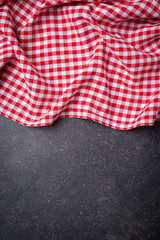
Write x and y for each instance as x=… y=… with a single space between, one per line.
x=91 y=59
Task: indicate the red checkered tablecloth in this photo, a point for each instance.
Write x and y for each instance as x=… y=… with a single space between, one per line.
x=89 y=59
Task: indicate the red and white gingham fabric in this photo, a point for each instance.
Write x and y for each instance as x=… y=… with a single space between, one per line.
x=92 y=59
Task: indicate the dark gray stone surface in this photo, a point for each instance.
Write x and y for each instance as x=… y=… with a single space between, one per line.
x=79 y=180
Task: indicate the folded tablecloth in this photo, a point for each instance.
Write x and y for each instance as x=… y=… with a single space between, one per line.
x=92 y=59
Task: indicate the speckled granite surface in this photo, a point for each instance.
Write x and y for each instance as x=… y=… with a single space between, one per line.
x=79 y=180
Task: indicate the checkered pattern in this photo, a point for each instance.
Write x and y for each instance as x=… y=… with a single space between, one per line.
x=95 y=59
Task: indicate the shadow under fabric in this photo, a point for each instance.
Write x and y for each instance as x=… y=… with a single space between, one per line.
x=96 y=60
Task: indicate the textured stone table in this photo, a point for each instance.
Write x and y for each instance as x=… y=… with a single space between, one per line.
x=79 y=180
